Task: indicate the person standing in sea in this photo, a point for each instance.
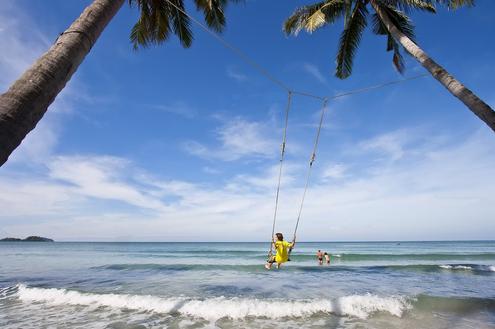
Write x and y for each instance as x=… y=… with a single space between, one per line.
x=319 y=256
x=327 y=258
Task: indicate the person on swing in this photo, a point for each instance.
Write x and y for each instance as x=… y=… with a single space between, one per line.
x=282 y=251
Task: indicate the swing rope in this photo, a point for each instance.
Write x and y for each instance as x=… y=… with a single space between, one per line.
x=282 y=155
x=310 y=167
x=308 y=176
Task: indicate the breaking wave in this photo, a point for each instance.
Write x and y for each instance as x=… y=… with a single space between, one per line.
x=360 y=306
x=456 y=267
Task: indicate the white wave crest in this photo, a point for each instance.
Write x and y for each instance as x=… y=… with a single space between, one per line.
x=361 y=306
x=456 y=267
x=491 y=268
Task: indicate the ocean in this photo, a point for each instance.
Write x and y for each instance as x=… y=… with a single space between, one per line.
x=224 y=285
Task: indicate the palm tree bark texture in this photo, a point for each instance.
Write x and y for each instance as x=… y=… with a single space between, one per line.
x=27 y=100
x=473 y=102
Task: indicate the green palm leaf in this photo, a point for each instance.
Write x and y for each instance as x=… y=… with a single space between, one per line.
x=455 y=4
x=162 y=29
x=398 y=18
x=213 y=13
x=408 y=5
x=314 y=16
x=181 y=24
x=403 y=23
x=397 y=58
x=158 y=18
x=316 y=20
x=297 y=21
x=141 y=33
x=349 y=40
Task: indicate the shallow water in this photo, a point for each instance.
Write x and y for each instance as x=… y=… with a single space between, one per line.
x=224 y=285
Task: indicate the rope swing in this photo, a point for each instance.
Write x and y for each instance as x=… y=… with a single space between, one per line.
x=311 y=161
x=282 y=154
x=308 y=175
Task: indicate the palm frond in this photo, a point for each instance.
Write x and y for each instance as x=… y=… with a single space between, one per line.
x=162 y=28
x=403 y=24
x=398 y=18
x=315 y=21
x=348 y=10
x=142 y=31
x=408 y=5
x=181 y=24
x=158 y=18
x=398 y=61
x=139 y=35
x=213 y=11
x=349 y=40
x=456 y=4
x=314 y=16
x=397 y=58
x=297 y=21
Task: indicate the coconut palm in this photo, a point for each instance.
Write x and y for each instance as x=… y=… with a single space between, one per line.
x=390 y=20
x=27 y=100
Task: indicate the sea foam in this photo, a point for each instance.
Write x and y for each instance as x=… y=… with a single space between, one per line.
x=360 y=306
x=456 y=267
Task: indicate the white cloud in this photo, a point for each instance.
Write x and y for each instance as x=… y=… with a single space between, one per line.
x=233 y=73
x=334 y=171
x=210 y=170
x=268 y=179
x=22 y=197
x=179 y=108
x=315 y=72
x=238 y=139
x=101 y=177
x=444 y=195
x=22 y=42
x=390 y=145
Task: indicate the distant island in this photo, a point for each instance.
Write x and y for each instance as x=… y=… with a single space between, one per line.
x=29 y=239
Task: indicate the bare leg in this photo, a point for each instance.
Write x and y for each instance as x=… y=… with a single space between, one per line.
x=269 y=263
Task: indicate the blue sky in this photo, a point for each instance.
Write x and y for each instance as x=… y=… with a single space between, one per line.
x=167 y=144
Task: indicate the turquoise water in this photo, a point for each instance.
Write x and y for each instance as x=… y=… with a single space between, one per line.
x=224 y=285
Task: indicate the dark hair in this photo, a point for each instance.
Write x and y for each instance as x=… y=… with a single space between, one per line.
x=280 y=237
x=325 y=254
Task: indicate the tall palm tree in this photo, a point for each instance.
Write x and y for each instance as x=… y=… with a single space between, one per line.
x=28 y=98
x=390 y=20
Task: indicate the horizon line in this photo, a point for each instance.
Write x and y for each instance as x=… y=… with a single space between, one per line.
x=333 y=241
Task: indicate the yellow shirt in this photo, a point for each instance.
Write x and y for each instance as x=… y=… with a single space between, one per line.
x=282 y=248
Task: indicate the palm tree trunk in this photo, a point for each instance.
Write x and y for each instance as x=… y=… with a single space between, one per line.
x=473 y=102
x=27 y=100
